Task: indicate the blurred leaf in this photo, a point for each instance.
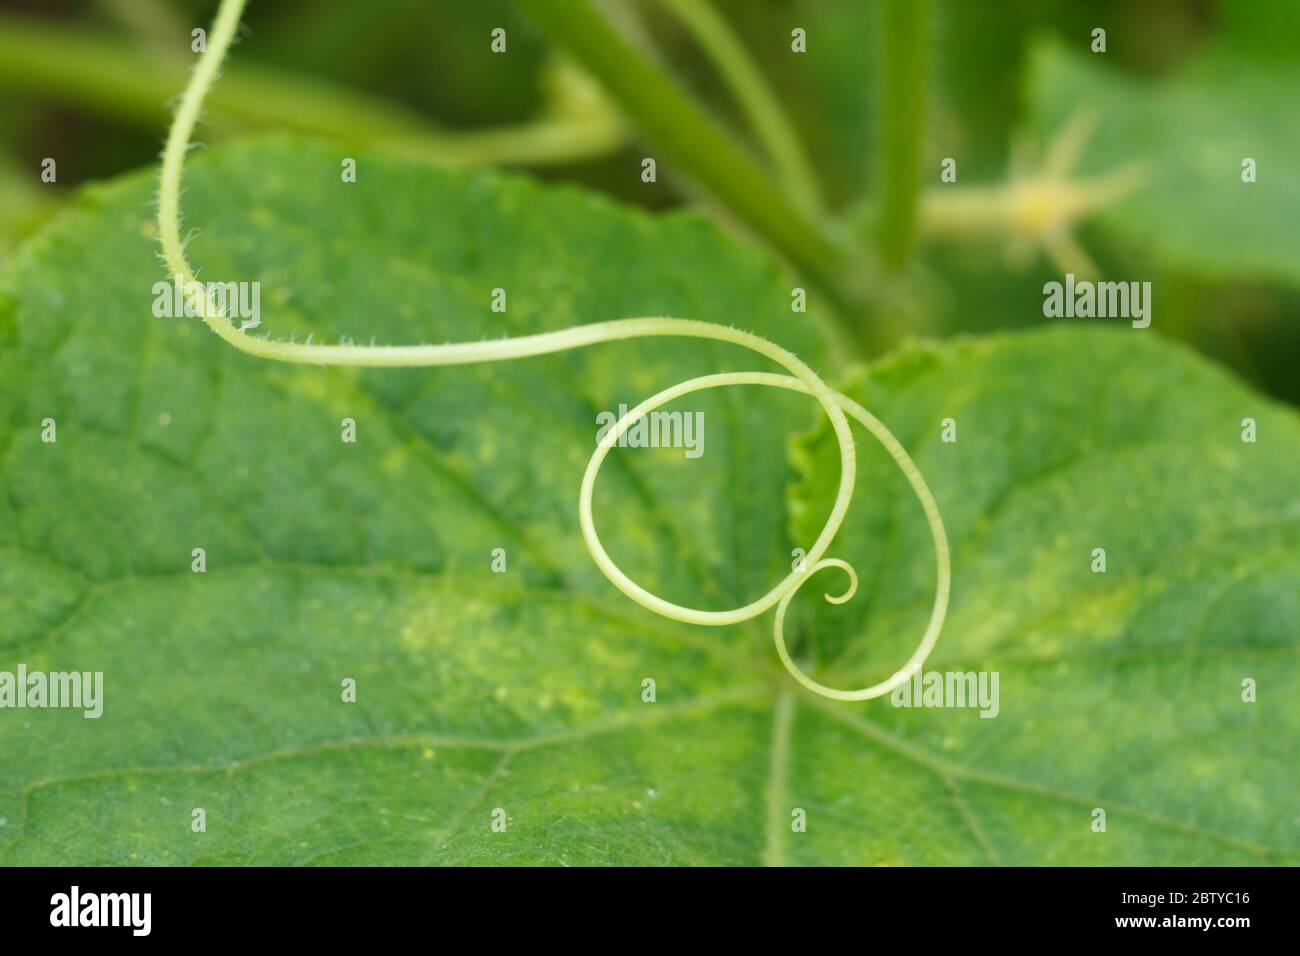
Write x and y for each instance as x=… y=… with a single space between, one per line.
x=1191 y=131
x=1265 y=28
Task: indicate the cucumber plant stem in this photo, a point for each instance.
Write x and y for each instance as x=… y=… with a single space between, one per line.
x=123 y=80
x=903 y=79
x=755 y=96
x=673 y=122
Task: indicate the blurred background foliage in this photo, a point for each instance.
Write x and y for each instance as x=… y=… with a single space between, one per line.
x=1125 y=163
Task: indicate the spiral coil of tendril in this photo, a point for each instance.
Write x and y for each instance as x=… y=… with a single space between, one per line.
x=838 y=407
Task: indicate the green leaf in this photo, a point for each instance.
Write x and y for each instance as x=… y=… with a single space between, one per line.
x=523 y=690
x=1119 y=690
x=1191 y=131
